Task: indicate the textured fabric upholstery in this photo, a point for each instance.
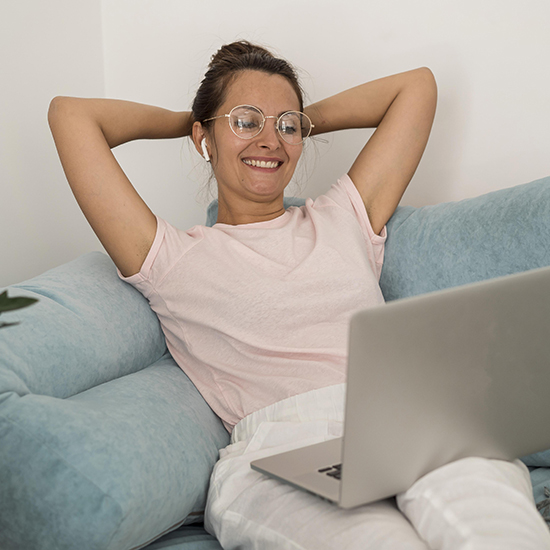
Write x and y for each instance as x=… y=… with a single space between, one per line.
x=105 y=442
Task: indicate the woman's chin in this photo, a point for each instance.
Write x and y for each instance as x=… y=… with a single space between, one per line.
x=265 y=187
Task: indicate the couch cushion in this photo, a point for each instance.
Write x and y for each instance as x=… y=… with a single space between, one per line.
x=88 y=327
x=540 y=479
x=188 y=537
x=119 y=464
x=454 y=243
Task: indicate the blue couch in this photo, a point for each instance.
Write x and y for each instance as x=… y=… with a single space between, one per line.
x=104 y=441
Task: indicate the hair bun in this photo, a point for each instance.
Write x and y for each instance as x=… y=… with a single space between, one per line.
x=229 y=52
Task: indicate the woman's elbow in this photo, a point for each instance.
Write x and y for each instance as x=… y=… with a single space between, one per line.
x=55 y=109
x=427 y=85
x=61 y=107
x=427 y=75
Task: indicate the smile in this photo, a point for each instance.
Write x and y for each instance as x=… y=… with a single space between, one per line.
x=262 y=163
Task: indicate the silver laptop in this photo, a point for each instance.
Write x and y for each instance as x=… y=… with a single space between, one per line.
x=432 y=379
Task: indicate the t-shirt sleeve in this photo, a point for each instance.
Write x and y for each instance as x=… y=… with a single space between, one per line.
x=345 y=194
x=169 y=245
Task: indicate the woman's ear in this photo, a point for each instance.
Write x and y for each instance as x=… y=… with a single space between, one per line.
x=200 y=140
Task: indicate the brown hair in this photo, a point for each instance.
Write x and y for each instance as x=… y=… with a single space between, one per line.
x=224 y=66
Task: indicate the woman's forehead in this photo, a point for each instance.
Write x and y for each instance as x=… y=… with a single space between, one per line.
x=269 y=92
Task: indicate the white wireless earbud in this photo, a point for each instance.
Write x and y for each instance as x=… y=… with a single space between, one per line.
x=205 y=150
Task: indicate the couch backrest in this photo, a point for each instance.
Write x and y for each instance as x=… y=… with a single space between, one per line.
x=455 y=243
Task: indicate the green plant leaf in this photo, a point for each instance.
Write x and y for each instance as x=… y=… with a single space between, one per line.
x=9 y=304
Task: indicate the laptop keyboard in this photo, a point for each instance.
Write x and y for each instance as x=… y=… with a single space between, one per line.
x=332 y=471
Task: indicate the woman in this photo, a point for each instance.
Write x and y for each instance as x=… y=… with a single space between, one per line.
x=256 y=308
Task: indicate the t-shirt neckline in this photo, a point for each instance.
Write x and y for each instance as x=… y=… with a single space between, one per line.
x=254 y=225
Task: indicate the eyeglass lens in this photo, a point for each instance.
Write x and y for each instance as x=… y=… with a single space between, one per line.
x=247 y=122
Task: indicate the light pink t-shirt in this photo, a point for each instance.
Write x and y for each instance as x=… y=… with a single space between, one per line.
x=259 y=312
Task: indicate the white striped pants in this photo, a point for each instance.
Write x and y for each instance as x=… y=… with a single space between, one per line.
x=471 y=504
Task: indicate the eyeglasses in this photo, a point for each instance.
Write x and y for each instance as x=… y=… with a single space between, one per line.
x=247 y=121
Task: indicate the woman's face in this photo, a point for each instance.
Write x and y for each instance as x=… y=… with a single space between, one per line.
x=233 y=158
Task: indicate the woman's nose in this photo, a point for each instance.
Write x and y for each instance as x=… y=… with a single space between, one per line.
x=269 y=136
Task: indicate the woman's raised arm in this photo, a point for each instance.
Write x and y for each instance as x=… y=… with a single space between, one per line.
x=84 y=132
x=401 y=108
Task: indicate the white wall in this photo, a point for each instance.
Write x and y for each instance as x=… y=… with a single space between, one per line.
x=490 y=58
x=46 y=49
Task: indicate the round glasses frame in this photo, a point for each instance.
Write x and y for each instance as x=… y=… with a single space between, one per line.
x=264 y=117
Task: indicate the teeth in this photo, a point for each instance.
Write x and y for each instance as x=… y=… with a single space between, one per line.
x=261 y=163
